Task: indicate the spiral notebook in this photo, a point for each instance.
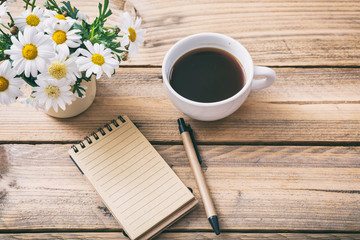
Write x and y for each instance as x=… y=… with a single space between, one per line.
x=136 y=184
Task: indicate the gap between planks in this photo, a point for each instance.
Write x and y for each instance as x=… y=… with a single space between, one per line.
x=175 y=143
x=272 y=66
x=111 y=230
x=181 y=235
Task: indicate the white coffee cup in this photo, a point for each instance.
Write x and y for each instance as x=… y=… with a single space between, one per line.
x=215 y=110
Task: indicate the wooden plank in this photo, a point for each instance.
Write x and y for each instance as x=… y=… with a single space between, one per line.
x=304 y=105
x=179 y=235
x=286 y=188
x=276 y=33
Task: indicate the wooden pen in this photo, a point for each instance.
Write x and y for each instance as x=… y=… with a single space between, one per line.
x=195 y=161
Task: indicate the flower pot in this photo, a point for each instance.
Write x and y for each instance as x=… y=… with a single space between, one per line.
x=79 y=105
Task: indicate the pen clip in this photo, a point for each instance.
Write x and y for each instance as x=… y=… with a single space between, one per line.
x=194 y=143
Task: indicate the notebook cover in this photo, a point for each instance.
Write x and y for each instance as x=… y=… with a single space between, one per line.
x=170 y=217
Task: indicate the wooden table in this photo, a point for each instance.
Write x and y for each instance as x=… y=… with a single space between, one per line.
x=285 y=165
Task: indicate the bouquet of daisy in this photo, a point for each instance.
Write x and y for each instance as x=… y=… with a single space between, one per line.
x=54 y=49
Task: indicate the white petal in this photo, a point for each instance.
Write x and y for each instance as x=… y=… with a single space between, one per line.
x=108 y=70
x=139 y=39
x=33 y=68
x=46 y=54
x=125 y=41
x=63 y=48
x=122 y=27
x=27 y=68
x=72 y=44
x=6 y=65
x=87 y=65
x=89 y=46
x=126 y=20
x=106 y=52
x=17 y=82
x=62 y=104
x=112 y=61
x=137 y=23
x=99 y=71
x=102 y=49
x=96 y=48
x=140 y=32
x=85 y=52
x=47 y=104
x=89 y=71
x=21 y=39
x=40 y=64
x=133 y=49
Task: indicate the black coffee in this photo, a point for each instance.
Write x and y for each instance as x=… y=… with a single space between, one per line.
x=207 y=75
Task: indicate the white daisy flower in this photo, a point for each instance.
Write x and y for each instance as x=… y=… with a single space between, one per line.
x=9 y=84
x=34 y=19
x=31 y=52
x=11 y=1
x=3 y=10
x=63 y=37
x=97 y=60
x=82 y=16
x=61 y=67
x=133 y=33
x=54 y=17
x=53 y=93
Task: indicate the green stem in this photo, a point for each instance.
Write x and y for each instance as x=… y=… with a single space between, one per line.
x=4 y=33
x=117 y=54
x=93 y=29
x=54 y=4
x=11 y=18
x=5 y=26
x=33 y=5
x=27 y=4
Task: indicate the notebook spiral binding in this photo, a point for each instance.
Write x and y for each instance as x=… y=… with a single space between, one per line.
x=96 y=136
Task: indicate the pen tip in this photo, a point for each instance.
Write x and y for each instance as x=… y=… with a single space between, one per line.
x=182 y=125
x=180 y=121
x=215 y=224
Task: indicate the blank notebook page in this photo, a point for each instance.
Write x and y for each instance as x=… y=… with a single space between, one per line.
x=135 y=182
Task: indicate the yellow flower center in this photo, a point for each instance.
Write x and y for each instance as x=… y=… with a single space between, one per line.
x=4 y=84
x=132 y=35
x=98 y=59
x=32 y=20
x=57 y=70
x=30 y=51
x=60 y=17
x=59 y=37
x=52 y=91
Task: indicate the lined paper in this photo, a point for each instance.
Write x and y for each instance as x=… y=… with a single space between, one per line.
x=135 y=182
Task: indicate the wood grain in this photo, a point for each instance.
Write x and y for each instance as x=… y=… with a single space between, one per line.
x=304 y=105
x=295 y=188
x=256 y=188
x=276 y=33
x=179 y=235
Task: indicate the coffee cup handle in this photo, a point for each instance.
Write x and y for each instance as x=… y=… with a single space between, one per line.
x=268 y=75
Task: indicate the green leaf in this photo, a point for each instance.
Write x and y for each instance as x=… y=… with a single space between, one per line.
x=29 y=80
x=52 y=5
x=106 y=4
x=71 y=11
